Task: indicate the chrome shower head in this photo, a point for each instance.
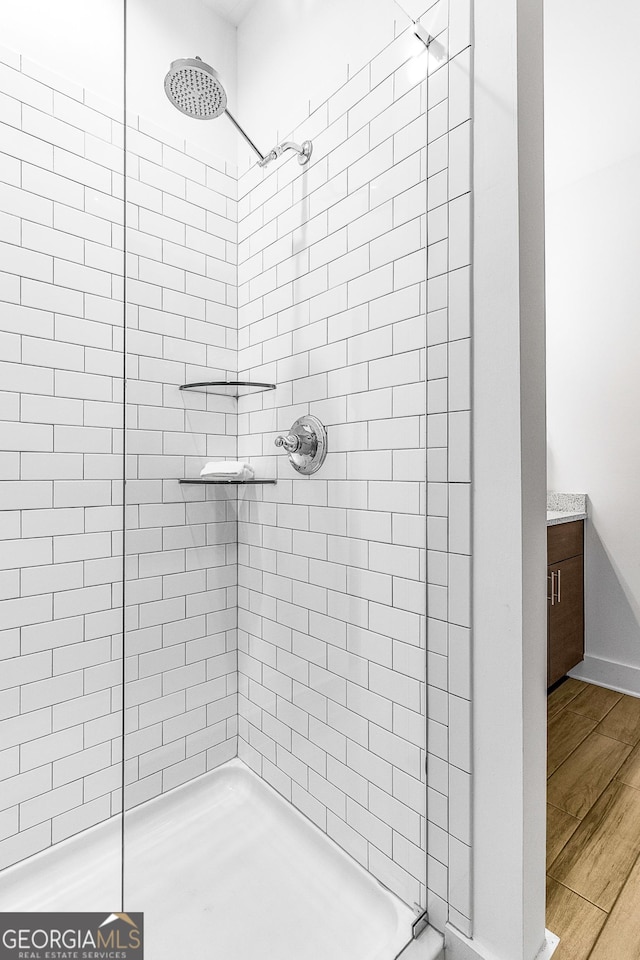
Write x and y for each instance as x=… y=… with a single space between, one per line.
x=195 y=89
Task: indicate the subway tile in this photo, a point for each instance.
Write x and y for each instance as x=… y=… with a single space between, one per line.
x=49 y=805
x=410 y=139
x=371 y=285
x=8 y=823
x=459 y=893
x=82 y=709
x=459 y=448
x=25 y=844
x=460 y=160
x=459 y=232
x=91 y=813
x=44 y=693
x=355 y=205
x=369 y=704
x=460 y=303
x=351 y=149
x=77 y=168
x=395 y=750
x=371 y=167
x=394 y=181
x=348 y=838
x=25 y=786
x=329 y=796
x=371 y=105
x=374 y=829
x=391 y=811
x=341 y=667
x=24 y=88
x=460 y=88
x=396 y=244
x=45 y=750
x=400 y=113
x=26 y=611
x=349 y=94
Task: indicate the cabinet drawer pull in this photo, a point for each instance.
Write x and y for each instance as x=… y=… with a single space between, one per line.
x=558 y=591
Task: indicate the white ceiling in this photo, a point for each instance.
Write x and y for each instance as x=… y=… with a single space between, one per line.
x=232 y=10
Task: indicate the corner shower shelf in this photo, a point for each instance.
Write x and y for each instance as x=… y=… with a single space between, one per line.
x=230 y=388
x=238 y=483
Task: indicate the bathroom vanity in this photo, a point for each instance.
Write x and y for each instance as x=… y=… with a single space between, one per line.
x=565 y=591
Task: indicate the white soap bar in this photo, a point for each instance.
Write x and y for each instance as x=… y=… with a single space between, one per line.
x=228 y=468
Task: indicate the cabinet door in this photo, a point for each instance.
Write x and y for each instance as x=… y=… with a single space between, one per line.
x=565 y=540
x=566 y=618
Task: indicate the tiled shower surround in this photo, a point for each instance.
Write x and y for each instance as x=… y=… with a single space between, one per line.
x=181 y=542
x=333 y=291
x=321 y=688
x=62 y=326
x=332 y=271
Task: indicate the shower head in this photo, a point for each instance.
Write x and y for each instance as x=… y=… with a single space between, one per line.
x=194 y=88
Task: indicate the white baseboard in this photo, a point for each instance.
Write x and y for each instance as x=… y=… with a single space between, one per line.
x=607 y=673
x=549 y=946
x=459 y=947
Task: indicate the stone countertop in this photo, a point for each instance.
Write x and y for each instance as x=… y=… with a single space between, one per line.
x=566 y=507
x=563 y=516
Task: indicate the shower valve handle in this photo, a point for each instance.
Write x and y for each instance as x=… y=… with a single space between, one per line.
x=305 y=444
x=291 y=442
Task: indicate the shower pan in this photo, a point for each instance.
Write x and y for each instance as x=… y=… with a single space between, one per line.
x=216 y=685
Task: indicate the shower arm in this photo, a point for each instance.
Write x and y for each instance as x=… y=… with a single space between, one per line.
x=304 y=151
x=248 y=139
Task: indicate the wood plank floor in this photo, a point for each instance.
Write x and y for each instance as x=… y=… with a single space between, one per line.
x=593 y=822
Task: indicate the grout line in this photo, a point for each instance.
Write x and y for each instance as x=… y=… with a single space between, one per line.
x=609 y=913
x=576 y=894
x=570 y=754
x=607 y=785
x=637 y=859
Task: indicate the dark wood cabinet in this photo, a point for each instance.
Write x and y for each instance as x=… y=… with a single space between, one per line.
x=565 y=598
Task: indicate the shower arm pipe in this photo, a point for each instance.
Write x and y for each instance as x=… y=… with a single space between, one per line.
x=248 y=139
x=304 y=151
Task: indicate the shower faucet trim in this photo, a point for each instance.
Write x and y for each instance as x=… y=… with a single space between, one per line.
x=305 y=444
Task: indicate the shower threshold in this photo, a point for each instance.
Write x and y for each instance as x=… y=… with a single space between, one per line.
x=221 y=867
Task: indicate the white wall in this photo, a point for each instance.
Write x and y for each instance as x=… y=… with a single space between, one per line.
x=593 y=291
x=509 y=487
x=89 y=51
x=80 y=41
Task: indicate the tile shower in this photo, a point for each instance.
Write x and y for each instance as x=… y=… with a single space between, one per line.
x=285 y=625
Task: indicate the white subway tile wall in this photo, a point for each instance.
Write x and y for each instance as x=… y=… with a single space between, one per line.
x=449 y=164
x=181 y=541
x=62 y=190
x=61 y=383
x=291 y=624
x=332 y=639
x=353 y=255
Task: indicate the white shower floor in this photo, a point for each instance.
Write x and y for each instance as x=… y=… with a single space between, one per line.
x=222 y=867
